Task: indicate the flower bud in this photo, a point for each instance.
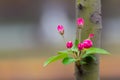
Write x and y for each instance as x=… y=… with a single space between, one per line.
x=80 y=23
x=87 y=43
x=80 y=46
x=91 y=35
x=60 y=29
x=69 y=44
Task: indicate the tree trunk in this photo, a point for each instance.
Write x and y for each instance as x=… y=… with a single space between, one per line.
x=90 y=10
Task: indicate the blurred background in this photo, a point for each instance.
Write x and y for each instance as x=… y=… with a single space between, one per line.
x=28 y=36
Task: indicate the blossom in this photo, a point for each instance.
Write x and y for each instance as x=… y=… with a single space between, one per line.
x=91 y=35
x=80 y=22
x=60 y=29
x=69 y=44
x=87 y=43
x=80 y=46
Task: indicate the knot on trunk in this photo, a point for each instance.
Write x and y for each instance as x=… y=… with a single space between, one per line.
x=95 y=17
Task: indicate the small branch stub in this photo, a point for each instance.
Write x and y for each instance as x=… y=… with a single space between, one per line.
x=80 y=6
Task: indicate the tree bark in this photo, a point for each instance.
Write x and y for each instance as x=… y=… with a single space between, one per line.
x=90 y=10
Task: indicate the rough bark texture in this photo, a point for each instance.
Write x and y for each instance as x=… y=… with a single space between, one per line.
x=90 y=10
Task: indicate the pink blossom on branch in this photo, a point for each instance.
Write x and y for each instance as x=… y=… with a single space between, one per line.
x=60 y=29
x=69 y=44
x=87 y=43
x=80 y=23
x=80 y=46
x=91 y=35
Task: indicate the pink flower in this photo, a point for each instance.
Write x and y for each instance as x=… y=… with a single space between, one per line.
x=60 y=29
x=69 y=44
x=80 y=46
x=87 y=43
x=91 y=35
x=80 y=22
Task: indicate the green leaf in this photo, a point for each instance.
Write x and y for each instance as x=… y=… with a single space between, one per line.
x=76 y=43
x=83 y=62
x=93 y=57
x=74 y=48
x=92 y=51
x=96 y=51
x=55 y=58
x=65 y=52
x=68 y=60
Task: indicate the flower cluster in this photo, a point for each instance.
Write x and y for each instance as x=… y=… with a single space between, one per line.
x=82 y=45
x=77 y=51
x=87 y=43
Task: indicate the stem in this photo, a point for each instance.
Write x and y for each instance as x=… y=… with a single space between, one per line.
x=74 y=55
x=79 y=54
x=63 y=39
x=79 y=33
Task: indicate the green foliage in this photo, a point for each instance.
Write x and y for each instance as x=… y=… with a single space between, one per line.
x=96 y=50
x=55 y=58
x=74 y=48
x=65 y=52
x=68 y=60
x=93 y=57
x=92 y=51
x=76 y=43
x=82 y=62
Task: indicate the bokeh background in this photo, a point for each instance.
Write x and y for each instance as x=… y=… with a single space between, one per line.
x=28 y=36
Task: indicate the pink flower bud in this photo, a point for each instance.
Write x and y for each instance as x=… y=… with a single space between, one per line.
x=87 y=43
x=80 y=23
x=69 y=44
x=60 y=29
x=91 y=35
x=80 y=46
